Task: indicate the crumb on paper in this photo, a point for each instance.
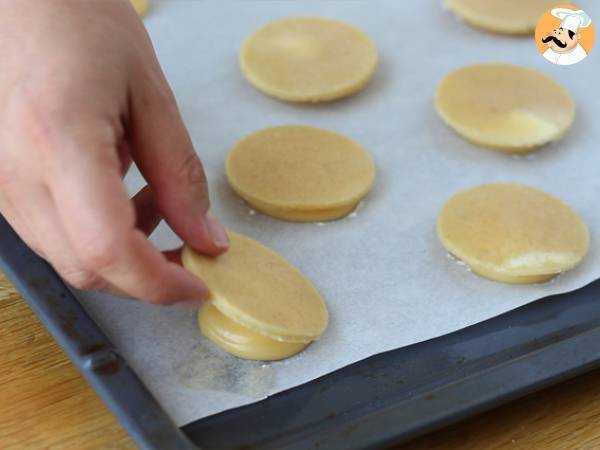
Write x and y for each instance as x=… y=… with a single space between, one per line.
x=458 y=261
x=555 y=278
x=354 y=213
x=525 y=157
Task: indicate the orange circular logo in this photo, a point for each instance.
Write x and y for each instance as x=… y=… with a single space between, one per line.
x=565 y=35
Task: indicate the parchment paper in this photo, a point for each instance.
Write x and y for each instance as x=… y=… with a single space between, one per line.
x=386 y=279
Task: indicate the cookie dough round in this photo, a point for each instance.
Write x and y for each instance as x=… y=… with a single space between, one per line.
x=515 y=17
x=259 y=290
x=505 y=107
x=308 y=59
x=300 y=173
x=141 y=6
x=241 y=341
x=512 y=233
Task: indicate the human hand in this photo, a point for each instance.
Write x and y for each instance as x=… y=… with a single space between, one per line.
x=81 y=96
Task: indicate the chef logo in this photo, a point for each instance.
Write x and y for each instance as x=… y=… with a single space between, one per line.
x=565 y=35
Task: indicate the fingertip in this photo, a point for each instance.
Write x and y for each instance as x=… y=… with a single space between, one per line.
x=216 y=232
x=206 y=235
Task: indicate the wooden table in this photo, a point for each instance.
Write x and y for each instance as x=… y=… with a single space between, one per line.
x=45 y=403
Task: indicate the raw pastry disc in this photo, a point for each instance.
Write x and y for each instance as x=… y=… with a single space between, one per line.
x=258 y=289
x=512 y=233
x=505 y=107
x=300 y=173
x=308 y=59
x=517 y=17
x=239 y=340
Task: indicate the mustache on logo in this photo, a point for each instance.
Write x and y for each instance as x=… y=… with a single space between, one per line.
x=556 y=41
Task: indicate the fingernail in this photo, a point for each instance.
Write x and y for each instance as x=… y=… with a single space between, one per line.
x=189 y=304
x=216 y=231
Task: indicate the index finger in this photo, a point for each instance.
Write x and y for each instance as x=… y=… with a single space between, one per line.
x=99 y=219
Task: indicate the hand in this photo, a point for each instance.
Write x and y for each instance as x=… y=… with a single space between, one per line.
x=81 y=96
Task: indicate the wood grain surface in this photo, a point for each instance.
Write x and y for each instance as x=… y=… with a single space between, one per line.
x=46 y=404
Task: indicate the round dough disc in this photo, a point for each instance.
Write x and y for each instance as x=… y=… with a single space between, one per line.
x=512 y=233
x=300 y=173
x=141 y=6
x=308 y=59
x=517 y=17
x=505 y=107
x=255 y=287
x=240 y=341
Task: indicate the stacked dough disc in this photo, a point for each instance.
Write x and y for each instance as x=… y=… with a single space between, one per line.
x=505 y=107
x=513 y=233
x=261 y=307
x=308 y=59
x=300 y=173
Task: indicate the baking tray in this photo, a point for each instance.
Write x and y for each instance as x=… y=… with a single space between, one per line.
x=375 y=403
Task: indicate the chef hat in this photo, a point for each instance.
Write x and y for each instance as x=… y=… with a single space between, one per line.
x=572 y=20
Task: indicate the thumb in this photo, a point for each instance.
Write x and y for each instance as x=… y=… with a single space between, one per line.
x=163 y=151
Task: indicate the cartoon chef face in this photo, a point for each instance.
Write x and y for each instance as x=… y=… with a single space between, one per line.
x=561 y=40
x=564 y=41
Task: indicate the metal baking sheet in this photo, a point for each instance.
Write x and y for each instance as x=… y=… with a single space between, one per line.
x=383 y=400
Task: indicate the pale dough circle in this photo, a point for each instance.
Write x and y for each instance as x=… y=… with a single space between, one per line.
x=516 y=17
x=241 y=341
x=308 y=59
x=141 y=6
x=505 y=107
x=255 y=287
x=512 y=233
x=300 y=173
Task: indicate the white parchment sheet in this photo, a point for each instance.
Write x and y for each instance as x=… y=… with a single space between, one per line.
x=386 y=279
